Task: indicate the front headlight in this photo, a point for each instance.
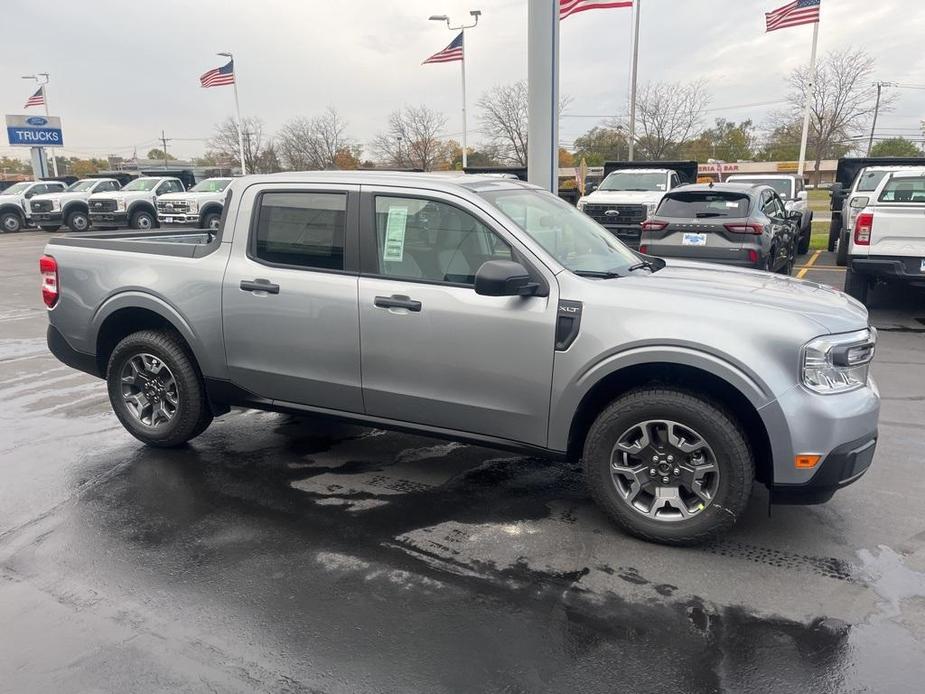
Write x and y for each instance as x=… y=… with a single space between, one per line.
x=581 y=205
x=56 y=204
x=120 y=204
x=838 y=363
x=650 y=208
x=193 y=206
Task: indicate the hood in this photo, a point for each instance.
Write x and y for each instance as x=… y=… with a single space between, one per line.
x=59 y=196
x=117 y=194
x=188 y=195
x=834 y=310
x=15 y=199
x=625 y=197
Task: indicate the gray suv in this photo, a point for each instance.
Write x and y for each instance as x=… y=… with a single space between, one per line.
x=485 y=310
x=739 y=224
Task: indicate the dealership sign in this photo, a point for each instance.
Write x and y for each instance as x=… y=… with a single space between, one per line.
x=34 y=131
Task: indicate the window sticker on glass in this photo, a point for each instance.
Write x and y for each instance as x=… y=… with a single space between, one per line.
x=393 y=250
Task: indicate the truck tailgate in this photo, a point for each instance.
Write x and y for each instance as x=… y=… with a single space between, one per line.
x=898 y=230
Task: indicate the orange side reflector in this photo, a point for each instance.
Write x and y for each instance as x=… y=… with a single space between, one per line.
x=806 y=461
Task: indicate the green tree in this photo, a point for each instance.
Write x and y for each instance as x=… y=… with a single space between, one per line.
x=726 y=140
x=600 y=144
x=895 y=147
x=160 y=154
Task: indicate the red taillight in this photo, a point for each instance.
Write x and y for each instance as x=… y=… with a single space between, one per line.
x=862 y=227
x=653 y=225
x=745 y=228
x=643 y=249
x=752 y=255
x=48 y=266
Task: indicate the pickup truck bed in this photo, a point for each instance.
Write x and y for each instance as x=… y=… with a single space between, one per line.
x=181 y=243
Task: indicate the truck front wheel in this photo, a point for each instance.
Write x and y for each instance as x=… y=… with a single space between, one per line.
x=212 y=221
x=10 y=222
x=156 y=390
x=78 y=221
x=143 y=221
x=669 y=466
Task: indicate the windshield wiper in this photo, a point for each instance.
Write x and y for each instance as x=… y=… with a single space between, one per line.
x=643 y=265
x=599 y=274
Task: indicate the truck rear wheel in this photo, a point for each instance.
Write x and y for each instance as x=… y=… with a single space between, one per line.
x=669 y=466
x=806 y=236
x=156 y=390
x=857 y=285
x=834 y=231
x=841 y=251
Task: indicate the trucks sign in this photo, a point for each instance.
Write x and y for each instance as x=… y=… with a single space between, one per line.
x=34 y=131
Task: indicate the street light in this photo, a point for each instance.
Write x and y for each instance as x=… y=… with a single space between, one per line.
x=237 y=108
x=41 y=79
x=475 y=14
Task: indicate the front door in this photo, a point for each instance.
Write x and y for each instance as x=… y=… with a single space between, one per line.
x=434 y=352
x=290 y=298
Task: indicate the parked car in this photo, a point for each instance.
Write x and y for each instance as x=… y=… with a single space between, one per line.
x=491 y=312
x=51 y=210
x=791 y=189
x=847 y=181
x=729 y=223
x=888 y=240
x=200 y=206
x=132 y=206
x=15 y=214
x=630 y=192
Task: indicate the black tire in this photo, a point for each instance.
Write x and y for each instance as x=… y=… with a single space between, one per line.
x=49 y=228
x=192 y=415
x=10 y=223
x=841 y=252
x=717 y=427
x=805 y=237
x=834 y=231
x=77 y=221
x=786 y=268
x=211 y=221
x=857 y=286
x=143 y=221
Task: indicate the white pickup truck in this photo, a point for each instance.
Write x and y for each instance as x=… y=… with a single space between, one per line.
x=200 y=206
x=51 y=210
x=888 y=239
x=134 y=204
x=15 y=214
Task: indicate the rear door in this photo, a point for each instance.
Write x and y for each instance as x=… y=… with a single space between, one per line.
x=290 y=296
x=899 y=221
x=435 y=352
x=697 y=225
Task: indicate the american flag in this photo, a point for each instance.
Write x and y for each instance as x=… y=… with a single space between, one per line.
x=37 y=99
x=219 y=76
x=452 y=52
x=796 y=13
x=570 y=7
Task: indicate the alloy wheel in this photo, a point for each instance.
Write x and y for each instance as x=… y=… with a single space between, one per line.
x=149 y=390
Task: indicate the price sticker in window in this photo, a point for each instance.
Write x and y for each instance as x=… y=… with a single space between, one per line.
x=393 y=249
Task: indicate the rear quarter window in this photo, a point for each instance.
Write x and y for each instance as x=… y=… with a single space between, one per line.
x=702 y=204
x=905 y=189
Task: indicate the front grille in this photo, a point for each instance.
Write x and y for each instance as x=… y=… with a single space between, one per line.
x=616 y=214
x=41 y=205
x=103 y=206
x=172 y=206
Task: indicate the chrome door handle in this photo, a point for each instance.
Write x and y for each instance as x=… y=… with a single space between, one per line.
x=397 y=302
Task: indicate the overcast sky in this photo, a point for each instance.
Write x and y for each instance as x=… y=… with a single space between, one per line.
x=123 y=70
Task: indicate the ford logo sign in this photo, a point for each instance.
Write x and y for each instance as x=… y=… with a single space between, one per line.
x=37 y=121
x=612 y=213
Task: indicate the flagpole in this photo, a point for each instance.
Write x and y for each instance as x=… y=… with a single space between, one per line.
x=632 y=143
x=237 y=109
x=462 y=63
x=809 y=97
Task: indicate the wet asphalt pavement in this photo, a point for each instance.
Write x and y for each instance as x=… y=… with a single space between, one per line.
x=288 y=555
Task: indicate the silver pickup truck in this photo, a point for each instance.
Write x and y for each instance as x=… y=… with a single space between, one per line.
x=485 y=310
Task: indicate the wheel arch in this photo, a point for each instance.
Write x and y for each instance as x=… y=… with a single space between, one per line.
x=683 y=376
x=75 y=206
x=141 y=206
x=16 y=209
x=210 y=208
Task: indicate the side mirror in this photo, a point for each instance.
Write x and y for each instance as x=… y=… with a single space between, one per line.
x=504 y=278
x=590 y=188
x=28 y=195
x=801 y=195
x=795 y=216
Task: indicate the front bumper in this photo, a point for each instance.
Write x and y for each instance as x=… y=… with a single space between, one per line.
x=627 y=233
x=842 y=428
x=107 y=218
x=182 y=218
x=53 y=217
x=903 y=268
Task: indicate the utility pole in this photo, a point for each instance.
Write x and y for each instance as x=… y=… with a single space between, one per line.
x=873 y=126
x=636 y=10
x=164 y=142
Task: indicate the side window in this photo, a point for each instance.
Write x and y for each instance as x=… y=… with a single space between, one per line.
x=769 y=204
x=105 y=187
x=675 y=181
x=303 y=229
x=36 y=190
x=433 y=241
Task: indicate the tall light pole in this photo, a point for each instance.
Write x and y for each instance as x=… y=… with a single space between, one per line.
x=633 y=78
x=237 y=108
x=462 y=27
x=41 y=79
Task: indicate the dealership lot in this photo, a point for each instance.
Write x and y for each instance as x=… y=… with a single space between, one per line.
x=279 y=554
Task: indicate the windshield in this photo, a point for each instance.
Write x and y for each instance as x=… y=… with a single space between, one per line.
x=781 y=185
x=211 y=185
x=81 y=186
x=16 y=188
x=703 y=204
x=633 y=180
x=869 y=180
x=142 y=184
x=571 y=237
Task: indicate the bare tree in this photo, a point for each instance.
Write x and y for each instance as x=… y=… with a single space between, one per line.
x=668 y=114
x=413 y=139
x=503 y=115
x=315 y=143
x=223 y=146
x=842 y=97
